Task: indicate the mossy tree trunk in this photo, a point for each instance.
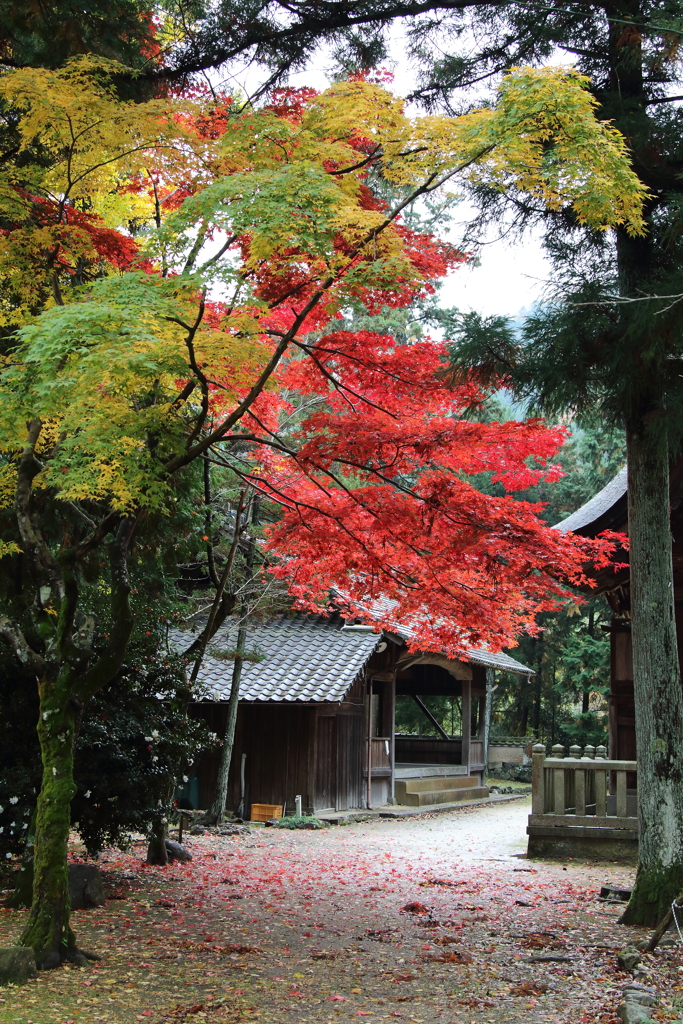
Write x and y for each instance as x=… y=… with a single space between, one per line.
x=657 y=679
x=69 y=672
x=48 y=930
x=23 y=890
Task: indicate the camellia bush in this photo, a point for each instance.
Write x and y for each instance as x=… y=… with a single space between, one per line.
x=135 y=745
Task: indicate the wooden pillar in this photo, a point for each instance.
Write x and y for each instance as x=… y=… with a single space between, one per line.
x=488 y=715
x=312 y=759
x=391 y=702
x=466 y=722
x=369 y=757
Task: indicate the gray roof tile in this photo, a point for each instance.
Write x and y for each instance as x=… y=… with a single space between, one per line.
x=598 y=505
x=297 y=655
x=303 y=659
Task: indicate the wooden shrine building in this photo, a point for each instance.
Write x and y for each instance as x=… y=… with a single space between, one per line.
x=608 y=510
x=317 y=703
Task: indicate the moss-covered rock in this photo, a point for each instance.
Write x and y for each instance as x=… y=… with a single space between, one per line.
x=17 y=965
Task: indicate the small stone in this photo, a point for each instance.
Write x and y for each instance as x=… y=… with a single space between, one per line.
x=636 y=992
x=177 y=852
x=628 y=959
x=633 y=1013
x=85 y=886
x=198 y=830
x=228 y=829
x=17 y=965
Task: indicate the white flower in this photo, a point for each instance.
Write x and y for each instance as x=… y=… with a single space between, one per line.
x=54 y=771
x=1 y=809
x=87 y=794
x=1 y=829
x=155 y=734
x=25 y=825
x=14 y=799
x=185 y=778
x=155 y=758
x=148 y=739
x=8 y=856
x=12 y=824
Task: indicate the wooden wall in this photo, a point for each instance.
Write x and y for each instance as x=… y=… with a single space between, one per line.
x=314 y=751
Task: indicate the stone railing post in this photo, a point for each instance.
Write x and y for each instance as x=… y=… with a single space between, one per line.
x=537 y=779
x=559 y=804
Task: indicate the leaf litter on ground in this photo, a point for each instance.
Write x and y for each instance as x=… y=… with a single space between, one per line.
x=324 y=933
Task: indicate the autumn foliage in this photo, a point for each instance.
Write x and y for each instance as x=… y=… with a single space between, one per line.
x=179 y=280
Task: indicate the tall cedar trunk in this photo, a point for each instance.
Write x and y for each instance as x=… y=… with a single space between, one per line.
x=657 y=682
x=48 y=930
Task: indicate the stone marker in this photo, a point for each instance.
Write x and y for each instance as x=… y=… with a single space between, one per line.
x=85 y=886
x=177 y=852
x=637 y=1000
x=17 y=965
x=629 y=958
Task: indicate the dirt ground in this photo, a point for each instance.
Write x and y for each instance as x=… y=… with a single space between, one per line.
x=433 y=920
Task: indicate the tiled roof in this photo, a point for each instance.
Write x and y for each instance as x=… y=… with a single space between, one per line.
x=503 y=662
x=480 y=656
x=598 y=505
x=300 y=659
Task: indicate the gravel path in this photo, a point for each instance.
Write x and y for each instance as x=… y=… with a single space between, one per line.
x=438 y=919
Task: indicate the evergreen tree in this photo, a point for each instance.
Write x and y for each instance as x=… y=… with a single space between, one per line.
x=606 y=347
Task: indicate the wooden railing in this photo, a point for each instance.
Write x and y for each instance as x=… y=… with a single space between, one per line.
x=381 y=758
x=477 y=752
x=585 y=789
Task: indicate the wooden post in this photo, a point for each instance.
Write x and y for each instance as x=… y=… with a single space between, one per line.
x=466 y=722
x=369 y=794
x=537 y=779
x=390 y=691
x=488 y=715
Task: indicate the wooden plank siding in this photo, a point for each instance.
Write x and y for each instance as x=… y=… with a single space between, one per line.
x=292 y=749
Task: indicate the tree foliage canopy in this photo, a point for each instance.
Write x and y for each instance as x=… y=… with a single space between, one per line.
x=131 y=363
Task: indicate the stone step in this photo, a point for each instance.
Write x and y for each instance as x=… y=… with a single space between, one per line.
x=442 y=796
x=440 y=782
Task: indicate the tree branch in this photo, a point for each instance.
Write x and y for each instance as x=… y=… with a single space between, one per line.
x=110 y=661
x=17 y=641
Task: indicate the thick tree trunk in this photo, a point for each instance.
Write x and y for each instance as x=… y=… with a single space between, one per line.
x=48 y=930
x=657 y=682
